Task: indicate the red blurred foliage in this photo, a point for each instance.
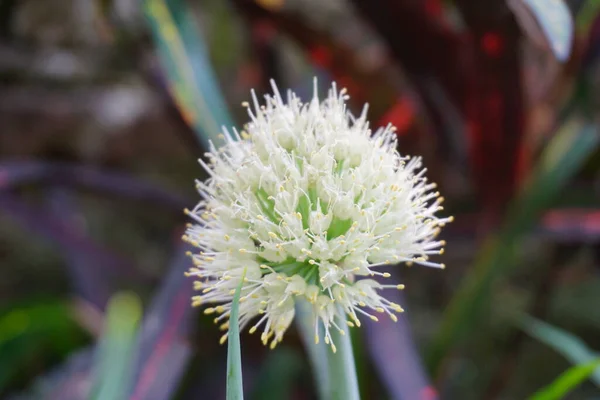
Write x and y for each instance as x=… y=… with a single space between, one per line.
x=492 y=44
x=320 y=56
x=401 y=115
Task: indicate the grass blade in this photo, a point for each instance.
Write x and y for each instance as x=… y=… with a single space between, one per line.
x=566 y=382
x=569 y=149
x=235 y=388
x=113 y=369
x=568 y=345
x=192 y=82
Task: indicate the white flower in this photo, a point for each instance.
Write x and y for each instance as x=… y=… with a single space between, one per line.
x=309 y=204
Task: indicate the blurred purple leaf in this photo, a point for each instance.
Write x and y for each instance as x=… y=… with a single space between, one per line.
x=395 y=356
x=87 y=278
x=17 y=173
x=163 y=346
x=68 y=239
x=571 y=225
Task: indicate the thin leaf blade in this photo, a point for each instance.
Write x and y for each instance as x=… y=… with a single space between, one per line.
x=235 y=388
x=192 y=82
x=564 y=343
x=566 y=382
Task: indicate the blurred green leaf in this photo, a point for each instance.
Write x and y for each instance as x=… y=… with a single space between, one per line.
x=235 y=388
x=278 y=373
x=565 y=154
x=113 y=367
x=565 y=343
x=566 y=382
x=585 y=17
x=34 y=330
x=191 y=80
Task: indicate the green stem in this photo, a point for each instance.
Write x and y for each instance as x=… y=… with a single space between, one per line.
x=317 y=353
x=342 y=370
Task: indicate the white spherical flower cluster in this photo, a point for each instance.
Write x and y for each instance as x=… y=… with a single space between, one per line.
x=308 y=203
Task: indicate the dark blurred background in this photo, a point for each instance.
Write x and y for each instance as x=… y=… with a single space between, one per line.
x=105 y=106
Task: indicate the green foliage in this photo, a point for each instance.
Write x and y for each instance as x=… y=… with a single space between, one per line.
x=191 y=80
x=570 y=346
x=566 y=382
x=278 y=372
x=235 y=388
x=32 y=332
x=568 y=150
x=112 y=371
x=342 y=370
x=317 y=352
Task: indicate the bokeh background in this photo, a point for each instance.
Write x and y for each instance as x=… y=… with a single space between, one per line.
x=105 y=106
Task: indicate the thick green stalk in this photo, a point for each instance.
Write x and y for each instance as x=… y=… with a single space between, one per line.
x=342 y=370
x=317 y=353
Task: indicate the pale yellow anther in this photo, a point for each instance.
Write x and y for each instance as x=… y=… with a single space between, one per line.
x=252 y=330
x=209 y=311
x=400 y=287
x=386 y=275
x=374 y=318
x=223 y=339
x=393 y=318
